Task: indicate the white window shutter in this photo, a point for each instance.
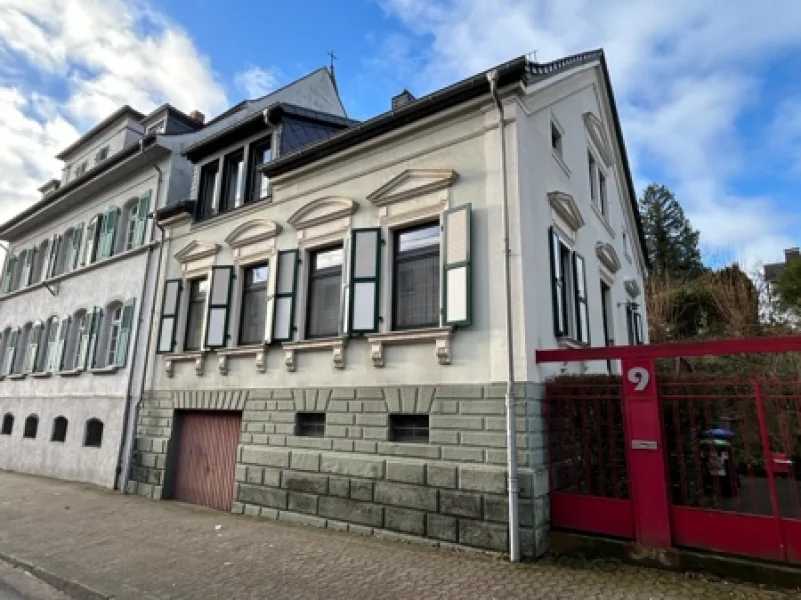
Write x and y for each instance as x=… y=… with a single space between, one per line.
x=77 y=234
x=457 y=266
x=32 y=349
x=52 y=263
x=124 y=338
x=94 y=329
x=11 y=351
x=580 y=286
x=169 y=315
x=365 y=276
x=61 y=343
x=218 y=306
x=286 y=287
x=269 y=309
x=27 y=267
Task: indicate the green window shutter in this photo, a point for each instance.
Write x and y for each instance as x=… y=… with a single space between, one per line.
x=285 y=289
x=557 y=285
x=77 y=234
x=582 y=312
x=365 y=276
x=124 y=338
x=8 y=273
x=141 y=218
x=61 y=343
x=94 y=328
x=27 y=267
x=33 y=348
x=457 y=266
x=50 y=353
x=169 y=314
x=112 y=218
x=222 y=279
x=11 y=351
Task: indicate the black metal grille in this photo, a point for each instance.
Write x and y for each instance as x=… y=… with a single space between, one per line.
x=408 y=428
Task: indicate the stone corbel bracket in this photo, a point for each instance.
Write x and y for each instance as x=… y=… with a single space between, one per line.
x=171 y=359
x=336 y=345
x=440 y=336
x=255 y=351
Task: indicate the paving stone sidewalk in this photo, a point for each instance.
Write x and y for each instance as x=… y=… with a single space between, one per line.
x=129 y=547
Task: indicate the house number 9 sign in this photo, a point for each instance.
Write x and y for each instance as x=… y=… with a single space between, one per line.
x=640 y=377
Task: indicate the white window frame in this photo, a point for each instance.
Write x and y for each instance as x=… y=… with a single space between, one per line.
x=111 y=332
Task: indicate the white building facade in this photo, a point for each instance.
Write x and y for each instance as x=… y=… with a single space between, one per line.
x=77 y=287
x=337 y=352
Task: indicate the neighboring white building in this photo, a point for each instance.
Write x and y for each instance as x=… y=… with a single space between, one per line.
x=77 y=287
x=336 y=354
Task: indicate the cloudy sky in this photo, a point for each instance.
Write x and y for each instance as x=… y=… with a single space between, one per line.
x=709 y=92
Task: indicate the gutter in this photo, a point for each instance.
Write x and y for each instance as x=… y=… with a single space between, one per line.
x=132 y=412
x=511 y=439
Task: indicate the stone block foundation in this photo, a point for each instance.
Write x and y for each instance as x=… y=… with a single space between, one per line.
x=451 y=490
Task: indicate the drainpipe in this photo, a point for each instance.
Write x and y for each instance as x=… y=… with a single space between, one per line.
x=511 y=430
x=131 y=416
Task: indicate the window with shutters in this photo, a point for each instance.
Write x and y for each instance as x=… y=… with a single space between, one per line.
x=64 y=254
x=254 y=304
x=198 y=290
x=4 y=335
x=568 y=291
x=10 y=344
x=109 y=335
x=59 y=429
x=170 y=303
x=130 y=221
x=207 y=190
x=259 y=184
x=634 y=323
x=92 y=236
x=73 y=343
x=31 y=427
x=8 y=273
x=325 y=292
x=8 y=424
x=39 y=263
x=416 y=277
x=21 y=354
x=93 y=433
x=47 y=348
x=233 y=181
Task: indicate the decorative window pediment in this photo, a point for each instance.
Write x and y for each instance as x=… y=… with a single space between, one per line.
x=323 y=219
x=597 y=133
x=608 y=256
x=253 y=240
x=196 y=257
x=565 y=207
x=411 y=183
x=632 y=287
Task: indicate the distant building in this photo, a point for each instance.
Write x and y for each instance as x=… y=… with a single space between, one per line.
x=774 y=270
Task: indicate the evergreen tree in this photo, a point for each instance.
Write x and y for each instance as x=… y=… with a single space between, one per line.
x=672 y=242
x=788 y=287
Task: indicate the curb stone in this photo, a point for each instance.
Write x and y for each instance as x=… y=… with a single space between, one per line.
x=71 y=588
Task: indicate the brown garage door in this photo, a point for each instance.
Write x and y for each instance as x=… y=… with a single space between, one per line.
x=206 y=459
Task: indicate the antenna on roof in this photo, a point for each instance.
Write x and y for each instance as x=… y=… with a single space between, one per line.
x=333 y=57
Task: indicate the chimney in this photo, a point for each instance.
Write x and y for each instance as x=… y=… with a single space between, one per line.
x=402 y=99
x=197 y=116
x=791 y=254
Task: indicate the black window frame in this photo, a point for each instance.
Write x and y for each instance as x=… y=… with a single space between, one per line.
x=31 y=429
x=411 y=255
x=557 y=139
x=315 y=274
x=245 y=290
x=205 y=204
x=254 y=174
x=93 y=433
x=60 y=428
x=310 y=424
x=228 y=200
x=409 y=428
x=8 y=424
x=192 y=283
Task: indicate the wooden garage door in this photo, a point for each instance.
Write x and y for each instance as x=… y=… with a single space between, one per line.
x=206 y=459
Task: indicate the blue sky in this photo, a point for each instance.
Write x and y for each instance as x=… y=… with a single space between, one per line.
x=709 y=93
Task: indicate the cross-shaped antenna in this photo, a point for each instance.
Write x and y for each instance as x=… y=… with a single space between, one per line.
x=333 y=58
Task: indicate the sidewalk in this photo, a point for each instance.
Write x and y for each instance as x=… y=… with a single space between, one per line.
x=128 y=547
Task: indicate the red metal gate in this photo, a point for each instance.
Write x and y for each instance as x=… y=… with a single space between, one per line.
x=206 y=459
x=688 y=461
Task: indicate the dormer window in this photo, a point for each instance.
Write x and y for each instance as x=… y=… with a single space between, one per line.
x=208 y=187
x=101 y=155
x=80 y=169
x=157 y=127
x=260 y=153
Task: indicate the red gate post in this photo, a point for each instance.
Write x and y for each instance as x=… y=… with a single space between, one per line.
x=646 y=454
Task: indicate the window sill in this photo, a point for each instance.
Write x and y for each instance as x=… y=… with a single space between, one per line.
x=336 y=345
x=603 y=218
x=441 y=336
x=70 y=373
x=560 y=161
x=567 y=342
x=80 y=270
x=171 y=359
x=256 y=350
x=104 y=370
x=230 y=214
x=41 y=374
x=17 y=376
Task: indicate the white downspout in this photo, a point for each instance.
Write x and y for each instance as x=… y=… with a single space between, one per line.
x=511 y=429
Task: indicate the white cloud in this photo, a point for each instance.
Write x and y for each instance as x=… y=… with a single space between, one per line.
x=257 y=82
x=683 y=73
x=98 y=54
